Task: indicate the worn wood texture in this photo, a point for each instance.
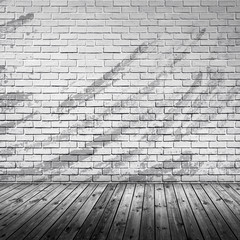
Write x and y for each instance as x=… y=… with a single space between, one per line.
x=120 y=211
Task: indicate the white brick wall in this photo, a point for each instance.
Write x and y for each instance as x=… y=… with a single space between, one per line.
x=111 y=90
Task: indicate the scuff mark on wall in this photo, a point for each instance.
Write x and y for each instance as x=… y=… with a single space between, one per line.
x=12 y=25
x=10 y=100
x=2 y=68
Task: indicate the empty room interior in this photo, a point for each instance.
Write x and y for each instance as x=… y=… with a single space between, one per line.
x=120 y=119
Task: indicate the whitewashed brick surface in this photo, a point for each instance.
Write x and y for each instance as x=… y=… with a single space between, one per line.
x=120 y=90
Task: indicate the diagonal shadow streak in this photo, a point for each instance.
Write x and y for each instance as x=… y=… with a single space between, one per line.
x=231 y=93
x=107 y=76
x=153 y=84
x=124 y=63
x=190 y=130
x=10 y=27
x=147 y=88
x=96 y=87
x=168 y=118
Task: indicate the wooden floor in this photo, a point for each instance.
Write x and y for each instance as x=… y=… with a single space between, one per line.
x=120 y=211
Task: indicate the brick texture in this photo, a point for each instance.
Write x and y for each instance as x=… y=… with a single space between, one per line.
x=110 y=90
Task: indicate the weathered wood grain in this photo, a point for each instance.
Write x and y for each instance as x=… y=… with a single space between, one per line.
x=205 y=224
x=217 y=220
x=161 y=214
x=120 y=221
x=76 y=223
x=134 y=220
x=120 y=211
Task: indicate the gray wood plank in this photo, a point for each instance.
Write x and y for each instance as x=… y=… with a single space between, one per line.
x=118 y=227
x=17 y=197
x=57 y=228
x=65 y=199
x=90 y=223
x=120 y=211
x=75 y=224
x=4 y=186
x=39 y=206
x=18 y=202
x=190 y=223
x=9 y=188
x=34 y=221
x=133 y=224
x=147 y=230
x=24 y=208
x=231 y=198
x=220 y=225
x=203 y=220
x=231 y=192
x=12 y=192
x=105 y=222
x=161 y=215
x=226 y=213
x=175 y=220
x=236 y=188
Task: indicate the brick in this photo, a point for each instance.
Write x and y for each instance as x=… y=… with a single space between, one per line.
x=207 y=178
x=81 y=178
x=190 y=178
x=60 y=178
x=26 y=178
x=101 y=178
x=224 y=178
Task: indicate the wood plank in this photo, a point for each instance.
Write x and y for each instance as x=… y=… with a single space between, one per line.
x=105 y=222
x=147 y=230
x=46 y=220
x=75 y=224
x=7 y=189
x=20 y=201
x=12 y=192
x=190 y=224
x=220 y=225
x=6 y=220
x=230 y=197
x=56 y=229
x=134 y=220
x=226 y=213
x=230 y=191
x=39 y=206
x=117 y=229
x=236 y=187
x=4 y=186
x=35 y=220
x=203 y=220
x=90 y=223
x=17 y=197
x=162 y=228
x=120 y=211
x=175 y=220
